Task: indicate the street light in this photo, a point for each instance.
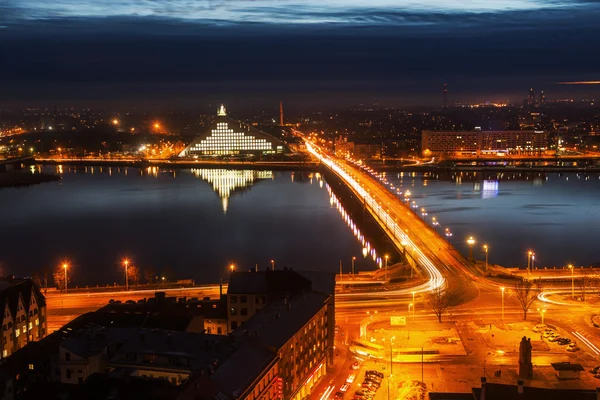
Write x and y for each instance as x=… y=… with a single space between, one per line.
x=65 y=266
x=529 y=254
x=532 y=261
x=572 y=280
x=471 y=242
x=126 y=263
x=386 y=263
x=502 y=288
x=353 y=258
x=272 y=265
x=485 y=248
x=413 y=293
x=232 y=267
x=542 y=312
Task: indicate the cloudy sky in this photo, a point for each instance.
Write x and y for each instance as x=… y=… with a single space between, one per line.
x=178 y=52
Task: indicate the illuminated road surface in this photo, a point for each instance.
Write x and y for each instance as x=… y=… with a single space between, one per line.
x=63 y=308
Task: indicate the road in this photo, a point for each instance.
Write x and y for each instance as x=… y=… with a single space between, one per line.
x=63 y=308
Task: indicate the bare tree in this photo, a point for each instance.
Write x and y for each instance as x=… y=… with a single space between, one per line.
x=441 y=299
x=526 y=292
x=585 y=282
x=149 y=274
x=41 y=279
x=59 y=279
x=133 y=274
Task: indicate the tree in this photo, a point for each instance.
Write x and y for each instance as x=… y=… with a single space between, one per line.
x=586 y=281
x=59 y=279
x=149 y=274
x=526 y=292
x=41 y=279
x=441 y=299
x=133 y=274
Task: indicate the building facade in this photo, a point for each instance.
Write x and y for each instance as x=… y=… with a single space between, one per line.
x=24 y=314
x=476 y=143
x=227 y=137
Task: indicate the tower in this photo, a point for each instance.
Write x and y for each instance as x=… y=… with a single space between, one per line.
x=531 y=98
x=542 y=98
x=445 y=95
x=281 y=113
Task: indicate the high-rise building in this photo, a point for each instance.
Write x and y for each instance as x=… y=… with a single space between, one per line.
x=531 y=98
x=475 y=143
x=542 y=98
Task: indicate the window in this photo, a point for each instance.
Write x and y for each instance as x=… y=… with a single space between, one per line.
x=244 y=299
x=233 y=325
x=67 y=356
x=4 y=353
x=37 y=322
x=244 y=311
x=233 y=299
x=30 y=325
x=233 y=311
x=219 y=330
x=31 y=367
x=17 y=332
x=68 y=374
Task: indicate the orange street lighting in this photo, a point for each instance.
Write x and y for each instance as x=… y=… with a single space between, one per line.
x=115 y=121
x=273 y=265
x=156 y=125
x=502 y=288
x=485 y=248
x=65 y=266
x=126 y=264
x=471 y=242
x=232 y=267
x=572 y=280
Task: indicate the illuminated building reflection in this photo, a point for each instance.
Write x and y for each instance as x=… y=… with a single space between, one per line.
x=225 y=181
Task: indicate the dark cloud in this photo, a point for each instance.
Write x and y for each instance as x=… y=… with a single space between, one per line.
x=378 y=53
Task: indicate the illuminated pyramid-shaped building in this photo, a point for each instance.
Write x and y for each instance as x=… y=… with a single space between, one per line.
x=227 y=137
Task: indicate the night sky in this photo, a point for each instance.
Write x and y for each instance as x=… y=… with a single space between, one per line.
x=318 y=52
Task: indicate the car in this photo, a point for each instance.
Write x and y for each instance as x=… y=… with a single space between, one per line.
x=355 y=365
x=595 y=370
x=553 y=338
x=539 y=328
x=376 y=373
x=572 y=347
x=344 y=388
x=563 y=341
x=548 y=332
x=350 y=378
x=338 y=395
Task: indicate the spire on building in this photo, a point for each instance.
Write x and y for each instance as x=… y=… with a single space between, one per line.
x=531 y=98
x=222 y=111
x=542 y=98
x=281 y=113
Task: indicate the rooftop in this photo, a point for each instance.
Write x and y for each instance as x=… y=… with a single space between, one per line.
x=277 y=283
x=277 y=323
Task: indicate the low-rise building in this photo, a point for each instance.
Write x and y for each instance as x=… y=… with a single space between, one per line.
x=24 y=314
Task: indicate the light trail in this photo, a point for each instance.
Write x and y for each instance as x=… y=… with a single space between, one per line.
x=587 y=342
x=327 y=392
x=400 y=238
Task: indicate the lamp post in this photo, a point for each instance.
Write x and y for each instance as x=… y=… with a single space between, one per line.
x=542 y=312
x=502 y=288
x=273 y=265
x=485 y=248
x=386 y=263
x=413 y=293
x=529 y=254
x=353 y=258
x=572 y=280
x=65 y=266
x=232 y=267
x=126 y=263
x=471 y=242
x=532 y=261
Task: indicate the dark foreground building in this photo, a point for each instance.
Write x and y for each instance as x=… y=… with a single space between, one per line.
x=160 y=348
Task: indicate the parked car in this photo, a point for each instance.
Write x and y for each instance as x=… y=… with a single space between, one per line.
x=350 y=378
x=563 y=341
x=548 y=332
x=572 y=347
x=338 y=396
x=539 y=328
x=595 y=370
x=344 y=388
x=355 y=365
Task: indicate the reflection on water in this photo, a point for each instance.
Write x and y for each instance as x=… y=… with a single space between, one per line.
x=226 y=181
x=554 y=214
x=170 y=221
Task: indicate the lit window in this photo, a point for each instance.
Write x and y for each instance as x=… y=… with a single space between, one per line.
x=31 y=366
x=17 y=332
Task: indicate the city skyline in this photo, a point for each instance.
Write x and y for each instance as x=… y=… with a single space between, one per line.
x=334 y=52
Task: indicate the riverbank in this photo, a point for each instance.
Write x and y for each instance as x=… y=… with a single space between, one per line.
x=214 y=164
x=24 y=178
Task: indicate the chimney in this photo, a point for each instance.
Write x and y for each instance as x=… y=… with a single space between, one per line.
x=520 y=383
x=281 y=113
x=482 y=396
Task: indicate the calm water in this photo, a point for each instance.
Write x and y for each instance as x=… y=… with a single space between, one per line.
x=557 y=216
x=186 y=224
